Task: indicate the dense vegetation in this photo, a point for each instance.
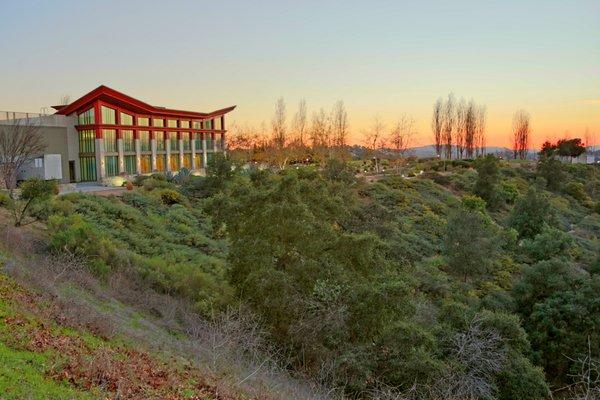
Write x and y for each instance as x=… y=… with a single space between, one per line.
x=472 y=279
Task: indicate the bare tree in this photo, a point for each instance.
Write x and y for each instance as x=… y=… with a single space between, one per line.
x=374 y=139
x=586 y=379
x=339 y=125
x=449 y=125
x=461 y=115
x=299 y=123
x=470 y=127
x=437 y=123
x=402 y=134
x=479 y=355
x=64 y=100
x=279 y=124
x=521 y=131
x=480 y=131
x=320 y=135
x=20 y=143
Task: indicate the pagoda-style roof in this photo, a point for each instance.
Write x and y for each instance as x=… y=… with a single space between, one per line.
x=111 y=96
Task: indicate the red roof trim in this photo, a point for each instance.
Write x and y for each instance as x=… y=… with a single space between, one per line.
x=110 y=95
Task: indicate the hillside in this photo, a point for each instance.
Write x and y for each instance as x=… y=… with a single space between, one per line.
x=469 y=280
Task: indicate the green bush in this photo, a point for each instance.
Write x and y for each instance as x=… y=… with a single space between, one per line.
x=170 y=197
x=577 y=191
x=5 y=199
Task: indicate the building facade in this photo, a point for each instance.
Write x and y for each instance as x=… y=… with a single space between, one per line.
x=106 y=133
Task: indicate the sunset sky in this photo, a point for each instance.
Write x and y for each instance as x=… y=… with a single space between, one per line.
x=379 y=57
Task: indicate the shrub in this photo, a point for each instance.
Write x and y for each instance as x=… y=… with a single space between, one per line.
x=139 y=180
x=509 y=192
x=577 y=191
x=530 y=213
x=169 y=197
x=473 y=203
x=152 y=183
x=488 y=176
x=5 y=199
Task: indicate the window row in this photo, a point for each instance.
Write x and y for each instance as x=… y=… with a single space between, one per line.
x=109 y=117
x=110 y=141
x=111 y=164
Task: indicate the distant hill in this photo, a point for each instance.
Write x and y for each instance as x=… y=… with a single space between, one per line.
x=425 y=151
x=429 y=150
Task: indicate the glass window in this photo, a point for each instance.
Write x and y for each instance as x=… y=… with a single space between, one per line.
x=209 y=142
x=109 y=116
x=128 y=142
x=218 y=123
x=87 y=141
x=87 y=168
x=112 y=165
x=184 y=124
x=172 y=123
x=173 y=141
x=143 y=121
x=110 y=140
x=86 y=118
x=160 y=140
x=198 y=141
x=146 y=163
x=160 y=162
x=130 y=167
x=208 y=124
x=126 y=119
x=187 y=161
x=198 y=161
x=174 y=162
x=197 y=124
x=185 y=137
x=144 y=140
x=209 y=158
x=158 y=122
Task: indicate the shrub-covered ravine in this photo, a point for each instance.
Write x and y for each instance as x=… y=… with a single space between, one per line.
x=479 y=281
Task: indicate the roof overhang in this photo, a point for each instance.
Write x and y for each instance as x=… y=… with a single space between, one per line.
x=111 y=96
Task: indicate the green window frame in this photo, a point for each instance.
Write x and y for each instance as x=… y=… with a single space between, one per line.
x=86 y=117
x=144 y=140
x=130 y=164
x=126 y=119
x=110 y=140
x=128 y=141
x=111 y=165
x=87 y=141
x=185 y=137
x=87 y=169
x=173 y=142
x=160 y=140
x=109 y=116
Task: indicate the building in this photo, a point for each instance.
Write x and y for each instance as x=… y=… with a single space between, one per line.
x=106 y=133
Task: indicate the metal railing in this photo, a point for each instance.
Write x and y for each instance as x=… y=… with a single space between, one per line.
x=14 y=115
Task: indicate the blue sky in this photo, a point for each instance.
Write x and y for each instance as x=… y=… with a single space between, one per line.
x=380 y=57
